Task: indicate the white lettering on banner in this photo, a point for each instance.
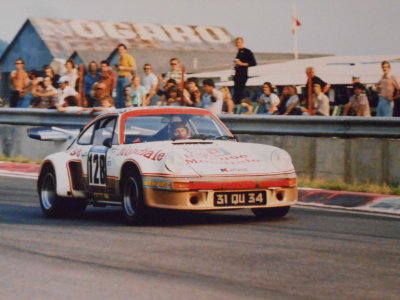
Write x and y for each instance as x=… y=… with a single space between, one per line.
x=118 y=30
x=87 y=29
x=150 y=32
x=54 y=28
x=181 y=33
x=213 y=34
x=103 y=33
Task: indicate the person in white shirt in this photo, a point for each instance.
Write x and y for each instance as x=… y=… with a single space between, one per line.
x=71 y=72
x=212 y=99
x=65 y=90
x=269 y=99
x=150 y=82
x=320 y=101
x=69 y=105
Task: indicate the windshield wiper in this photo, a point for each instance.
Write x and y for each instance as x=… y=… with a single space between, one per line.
x=202 y=136
x=225 y=137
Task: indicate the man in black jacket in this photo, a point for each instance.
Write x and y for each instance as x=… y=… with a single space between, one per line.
x=244 y=60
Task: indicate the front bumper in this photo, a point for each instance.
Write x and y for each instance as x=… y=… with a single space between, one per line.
x=163 y=193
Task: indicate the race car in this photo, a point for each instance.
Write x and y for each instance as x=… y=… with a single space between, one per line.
x=176 y=158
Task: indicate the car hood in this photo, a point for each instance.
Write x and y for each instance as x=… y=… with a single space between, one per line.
x=231 y=158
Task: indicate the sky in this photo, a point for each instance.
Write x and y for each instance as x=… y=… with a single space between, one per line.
x=340 y=27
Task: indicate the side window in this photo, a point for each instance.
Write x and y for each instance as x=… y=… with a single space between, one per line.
x=104 y=131
x=86 y=137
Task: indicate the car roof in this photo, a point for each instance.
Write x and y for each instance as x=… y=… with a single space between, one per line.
x=124 y=113
x=164 y=109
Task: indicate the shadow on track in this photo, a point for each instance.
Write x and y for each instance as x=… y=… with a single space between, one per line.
x=112 y=216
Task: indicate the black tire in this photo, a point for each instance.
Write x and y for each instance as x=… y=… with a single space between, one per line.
x=52 y=205
x=273 y=212
x=133 y=206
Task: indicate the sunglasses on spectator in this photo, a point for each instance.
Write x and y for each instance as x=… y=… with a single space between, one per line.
x=19 y=63
x=174 y=64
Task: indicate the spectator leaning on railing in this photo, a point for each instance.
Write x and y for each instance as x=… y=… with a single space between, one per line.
x=293 y=103
x=268 y=99
x=194 y=93
x=137 y=93
x=46 y=93
x=49 y=72
x=65 y=90
x=358 y=103
x=320 y=101
x=212 y=98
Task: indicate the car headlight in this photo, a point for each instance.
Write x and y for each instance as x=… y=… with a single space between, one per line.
x=174 y=162
x=281 y=160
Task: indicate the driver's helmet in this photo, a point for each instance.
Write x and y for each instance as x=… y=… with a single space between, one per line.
x=175 y=125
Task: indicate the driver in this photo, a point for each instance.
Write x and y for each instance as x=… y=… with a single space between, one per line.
x=180 y=131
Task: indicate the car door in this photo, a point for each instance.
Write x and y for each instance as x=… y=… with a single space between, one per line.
x=94 y=156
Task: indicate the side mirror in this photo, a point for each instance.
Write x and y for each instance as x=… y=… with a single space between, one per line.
x=107 y=142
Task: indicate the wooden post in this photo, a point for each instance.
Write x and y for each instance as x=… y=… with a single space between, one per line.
x=82 y=101
x=182 y=85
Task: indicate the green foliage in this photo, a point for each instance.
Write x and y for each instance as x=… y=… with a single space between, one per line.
x=339 y=185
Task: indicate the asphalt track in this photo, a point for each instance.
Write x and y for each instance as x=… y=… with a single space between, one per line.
x=310 y=254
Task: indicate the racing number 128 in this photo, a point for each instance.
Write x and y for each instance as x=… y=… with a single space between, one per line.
x=97 y=169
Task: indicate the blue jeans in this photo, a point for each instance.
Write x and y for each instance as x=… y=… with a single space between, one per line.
x=122 y=82
x=384 y=108
x=25 y=101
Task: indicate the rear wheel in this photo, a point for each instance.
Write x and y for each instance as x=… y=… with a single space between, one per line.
x=273 y=212
x=133 y=206
x=52 y=205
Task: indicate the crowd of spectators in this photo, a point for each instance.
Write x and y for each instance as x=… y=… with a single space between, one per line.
x=103 y=87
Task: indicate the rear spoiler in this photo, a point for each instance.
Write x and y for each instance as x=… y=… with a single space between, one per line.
x=53 y=133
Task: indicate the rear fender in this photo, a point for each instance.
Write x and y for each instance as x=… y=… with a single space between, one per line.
x=60 y=164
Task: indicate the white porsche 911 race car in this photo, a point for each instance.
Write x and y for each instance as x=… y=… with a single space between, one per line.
x=169 y=158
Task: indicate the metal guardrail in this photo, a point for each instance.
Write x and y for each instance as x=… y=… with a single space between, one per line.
x=346 y=127
x=317 y=126
x=41 y=117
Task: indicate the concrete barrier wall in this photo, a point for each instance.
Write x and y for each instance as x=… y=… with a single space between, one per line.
x=352 y=160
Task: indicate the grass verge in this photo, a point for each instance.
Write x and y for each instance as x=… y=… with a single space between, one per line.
x=19 y=159
x=339 y=185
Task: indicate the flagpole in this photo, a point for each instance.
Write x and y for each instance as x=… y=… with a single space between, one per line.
x=295 y=40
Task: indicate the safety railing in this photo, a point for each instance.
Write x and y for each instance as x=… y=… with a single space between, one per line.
x=347 y=127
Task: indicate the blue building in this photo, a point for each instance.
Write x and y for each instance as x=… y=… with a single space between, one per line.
x=42 y=42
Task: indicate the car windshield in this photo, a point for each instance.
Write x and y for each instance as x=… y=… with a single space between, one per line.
x=173 y=127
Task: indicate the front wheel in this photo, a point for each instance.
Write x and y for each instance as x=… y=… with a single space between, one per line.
x=132 y=200
x=273 y=212
x=51 y=204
